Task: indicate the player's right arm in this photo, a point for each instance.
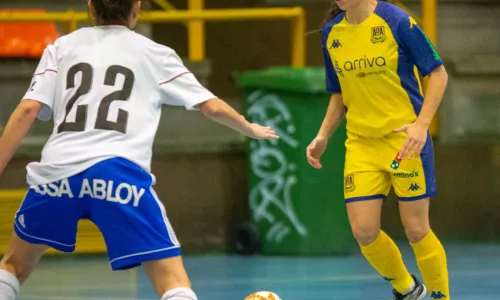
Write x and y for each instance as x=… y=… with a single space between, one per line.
x=179 y=87
x=221 y=112
x=17 y=127
x=334 y=114
x=37 y=102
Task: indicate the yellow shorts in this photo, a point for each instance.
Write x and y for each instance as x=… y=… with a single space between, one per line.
x=372 y=167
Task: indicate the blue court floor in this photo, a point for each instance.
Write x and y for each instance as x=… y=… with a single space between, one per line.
x=474 y=272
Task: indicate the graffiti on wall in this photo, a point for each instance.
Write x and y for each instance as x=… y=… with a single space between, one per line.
x=275 y=172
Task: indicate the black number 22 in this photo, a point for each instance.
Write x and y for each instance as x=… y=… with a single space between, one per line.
x=102 y=114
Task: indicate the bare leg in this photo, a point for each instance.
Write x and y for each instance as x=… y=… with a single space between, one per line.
x=170 y=279
x=17 y=264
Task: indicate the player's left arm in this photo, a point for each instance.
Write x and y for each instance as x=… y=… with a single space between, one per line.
x=418 y=46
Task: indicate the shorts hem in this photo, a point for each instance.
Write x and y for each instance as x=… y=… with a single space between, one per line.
x=416 y=198
x=365 y=198
x=40 y=241
x=135 y=260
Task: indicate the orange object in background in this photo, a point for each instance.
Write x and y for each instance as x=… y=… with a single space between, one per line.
x=26 y=40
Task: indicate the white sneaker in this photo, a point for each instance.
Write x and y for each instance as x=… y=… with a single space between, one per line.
x=418 y=293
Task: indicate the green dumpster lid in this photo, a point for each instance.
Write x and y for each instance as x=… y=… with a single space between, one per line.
x=306 y=80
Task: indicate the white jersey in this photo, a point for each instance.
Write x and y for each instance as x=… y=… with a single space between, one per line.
x=104 y=87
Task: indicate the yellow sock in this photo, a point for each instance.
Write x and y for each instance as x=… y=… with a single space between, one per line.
x=384 y=256
x=431 y=260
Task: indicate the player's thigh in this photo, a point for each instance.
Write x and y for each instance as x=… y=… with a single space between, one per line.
x=167 y=274
x=129 y=214
x=367 y=191
x=21 y=257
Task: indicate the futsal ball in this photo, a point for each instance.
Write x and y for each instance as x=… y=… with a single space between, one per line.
x=263 y=295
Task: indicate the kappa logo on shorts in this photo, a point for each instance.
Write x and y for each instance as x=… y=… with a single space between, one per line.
x=414 y=187
x=349 y=185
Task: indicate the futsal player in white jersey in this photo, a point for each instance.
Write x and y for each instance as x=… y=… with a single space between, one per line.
x=104 y=87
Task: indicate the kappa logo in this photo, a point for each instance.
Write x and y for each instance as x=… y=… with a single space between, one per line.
x=378 y=34
x=414 y=187
x=336 y=44
x=437 y=295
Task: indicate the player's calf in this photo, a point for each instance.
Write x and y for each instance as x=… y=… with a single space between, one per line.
x=170 y=279
x=16 y=265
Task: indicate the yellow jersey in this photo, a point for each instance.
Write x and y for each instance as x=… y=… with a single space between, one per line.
x=375 y=65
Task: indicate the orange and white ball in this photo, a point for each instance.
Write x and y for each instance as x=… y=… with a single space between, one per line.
x=263 y=295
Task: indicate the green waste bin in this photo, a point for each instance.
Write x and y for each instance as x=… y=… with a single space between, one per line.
x=297 y=209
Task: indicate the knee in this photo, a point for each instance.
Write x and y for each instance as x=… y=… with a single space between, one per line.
x=416 y=231
x=365 y=233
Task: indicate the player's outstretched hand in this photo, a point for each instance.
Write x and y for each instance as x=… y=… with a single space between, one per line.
x=260 y=132
x=315 y=150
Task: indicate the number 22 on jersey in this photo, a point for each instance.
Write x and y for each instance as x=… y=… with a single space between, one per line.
x=102 y=122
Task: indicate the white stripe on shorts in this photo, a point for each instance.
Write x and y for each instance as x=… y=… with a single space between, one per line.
x=170 y=230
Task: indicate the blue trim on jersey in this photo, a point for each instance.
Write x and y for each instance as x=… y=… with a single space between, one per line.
x=332 y=81
x=414 y=49
x=365 y=198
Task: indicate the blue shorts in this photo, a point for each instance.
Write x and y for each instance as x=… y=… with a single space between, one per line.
x=117 y=196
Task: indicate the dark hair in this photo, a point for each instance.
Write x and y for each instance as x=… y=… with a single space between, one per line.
x=334 y=11
x=108 y=12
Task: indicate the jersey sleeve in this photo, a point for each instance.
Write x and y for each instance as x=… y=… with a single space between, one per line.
x=332 y=81
x=179 y=87
x=418 y=46
x=43 y=83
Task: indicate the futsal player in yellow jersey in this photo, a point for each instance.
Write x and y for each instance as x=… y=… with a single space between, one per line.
x=373 y=55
